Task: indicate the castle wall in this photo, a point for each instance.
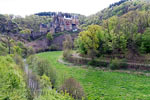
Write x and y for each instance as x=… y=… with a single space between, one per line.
x=61 y=23
x=43 y=30
x=52 y=30
x=68 y=24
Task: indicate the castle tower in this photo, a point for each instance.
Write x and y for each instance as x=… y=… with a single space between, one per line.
x=43 y=28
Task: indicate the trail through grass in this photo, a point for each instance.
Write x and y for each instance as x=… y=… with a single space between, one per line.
x=102 y=85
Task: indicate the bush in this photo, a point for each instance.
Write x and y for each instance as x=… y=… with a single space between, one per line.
x=48 y=94
x=67 y=54
x=12 y=84
x=74 y=88
x=114 y=64
x=3 y=50
x=30 y=51
x=41 y=67
x=18 y=60
x=145 y=44
x=25 y=31
x=68 y=43
x=44 y=67
x=117 y=64
x=92 y=62
x=17 y=50
x=31 y=60
x=124 y=64
x=49 y=36
x=54 y=47
x=45 y=82
x=25 y=51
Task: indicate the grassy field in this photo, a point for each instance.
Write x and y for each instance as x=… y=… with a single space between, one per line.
x=102 y=85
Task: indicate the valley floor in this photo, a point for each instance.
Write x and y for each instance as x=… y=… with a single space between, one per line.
x=102 y=85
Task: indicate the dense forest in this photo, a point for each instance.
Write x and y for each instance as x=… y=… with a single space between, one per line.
x=118 y=9
x=106 y=59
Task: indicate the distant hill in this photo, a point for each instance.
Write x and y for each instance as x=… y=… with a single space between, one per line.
x=118 y=9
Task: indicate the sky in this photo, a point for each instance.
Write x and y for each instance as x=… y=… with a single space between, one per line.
x=28 y=7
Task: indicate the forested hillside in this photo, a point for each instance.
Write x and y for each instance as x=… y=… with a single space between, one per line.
x=122 y=32
x=118 y=9
x=12 y=83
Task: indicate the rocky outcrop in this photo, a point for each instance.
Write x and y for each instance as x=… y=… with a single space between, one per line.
x=7 y=26
x=58 y=41
x=43 y=44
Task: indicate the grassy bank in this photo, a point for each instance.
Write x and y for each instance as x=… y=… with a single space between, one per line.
x=102 y=85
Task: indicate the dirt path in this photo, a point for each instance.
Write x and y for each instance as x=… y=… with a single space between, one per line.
x=131 y=65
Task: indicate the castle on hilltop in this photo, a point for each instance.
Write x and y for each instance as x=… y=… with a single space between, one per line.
x=61 y=22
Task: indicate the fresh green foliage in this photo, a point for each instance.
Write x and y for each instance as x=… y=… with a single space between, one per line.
x=31 y=22
x=44 y=70
x=17 y=50
x=117 y=10
x=25 y=31
x=127 y=34
x=145 y=44
x=68 y=44
x=18 y=60
x=41 y=67
x=67 y=54
x=3 y=50
x=102 y=85
x=67 y=47
x=12 y=84
x=49 y=36
x=52 y=95
x=9 y=46
x=117 y=64
x=89 y=40
x=74 y=88
x=45 y=82
x=94 y=42
x=54 y=47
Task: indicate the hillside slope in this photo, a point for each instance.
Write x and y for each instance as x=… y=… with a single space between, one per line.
x=118 y=9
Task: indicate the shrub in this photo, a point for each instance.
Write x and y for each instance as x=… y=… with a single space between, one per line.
x=25 y=51
x=114 y=64
x=41 y=67
x=145 y=44
x=25 y=31
x=12 y=84
x=31 y=60
x=124 y=64
x=18 y=60
x=68 y=43
x=3 y=50
x=92 y=62
x=67 y=54
x=17 y=50
x=48 y=94
x=44 y=67
x=45 y=82
x=117 y=64
x=49 y=36
x=30 y=51
x=74 y=88
x=54 y=47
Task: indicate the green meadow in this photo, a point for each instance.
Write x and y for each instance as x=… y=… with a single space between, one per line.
x=99 y=84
